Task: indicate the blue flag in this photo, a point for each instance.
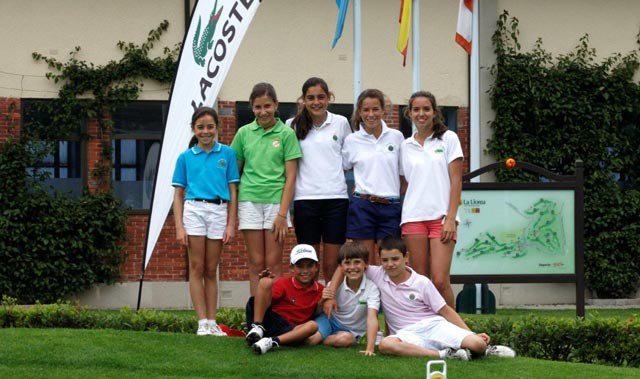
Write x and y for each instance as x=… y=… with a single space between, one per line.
x=342 y=13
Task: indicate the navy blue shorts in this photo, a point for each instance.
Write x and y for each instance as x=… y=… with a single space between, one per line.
x=320 y=220
x=273 y=323
x=373 y=221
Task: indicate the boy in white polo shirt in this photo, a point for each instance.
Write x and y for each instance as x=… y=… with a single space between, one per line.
x=420 y=322
x=358 y=304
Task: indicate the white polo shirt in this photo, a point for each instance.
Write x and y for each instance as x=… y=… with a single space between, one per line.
x=426 y=169
x=320 y=174
x=375 y=162
x=406 y=303
x=353 y=306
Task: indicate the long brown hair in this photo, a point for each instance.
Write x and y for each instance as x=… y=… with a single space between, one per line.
x=438 y=121
x=302 y=121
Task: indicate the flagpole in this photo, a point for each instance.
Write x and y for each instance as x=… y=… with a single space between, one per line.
x=474 y=114
x=474 y=89
x=415 y=51
x=415 y=44
x=357 y=51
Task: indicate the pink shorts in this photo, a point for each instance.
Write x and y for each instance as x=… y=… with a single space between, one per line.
x=432 y=228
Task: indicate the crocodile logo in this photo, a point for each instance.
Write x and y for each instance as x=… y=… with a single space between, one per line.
x=202 y=44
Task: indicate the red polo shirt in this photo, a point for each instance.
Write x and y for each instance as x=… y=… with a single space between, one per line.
x=293 y=302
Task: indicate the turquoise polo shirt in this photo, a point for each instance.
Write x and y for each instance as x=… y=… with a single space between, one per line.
x=264 y=155
x=206 y=175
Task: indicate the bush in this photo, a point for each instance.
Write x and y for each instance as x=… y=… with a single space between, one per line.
x=552 y=112
x=53 y=246
x=594 y=340
x=76 y=316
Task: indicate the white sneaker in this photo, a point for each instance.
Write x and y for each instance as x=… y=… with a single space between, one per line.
x=264 y=345
x=500 y=351
x=203 y=330
x=215 y=330
x=461 y=354
x=255 y=334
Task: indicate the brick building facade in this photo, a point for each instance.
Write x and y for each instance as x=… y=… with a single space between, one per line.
x=169 y=261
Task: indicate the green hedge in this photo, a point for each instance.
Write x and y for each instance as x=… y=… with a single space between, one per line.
x=595 y=340
x=75 y=316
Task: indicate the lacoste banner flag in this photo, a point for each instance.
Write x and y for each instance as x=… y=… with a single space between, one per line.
x=214 y=35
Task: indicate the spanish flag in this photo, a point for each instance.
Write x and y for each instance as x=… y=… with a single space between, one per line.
x=465 y=24
x=405 y=29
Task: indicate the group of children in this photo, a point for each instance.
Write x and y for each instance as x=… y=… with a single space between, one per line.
x=280 y=163
x=299 y=310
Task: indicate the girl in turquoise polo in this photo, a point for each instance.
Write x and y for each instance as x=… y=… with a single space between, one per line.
x=267 y=151
x=204 y=208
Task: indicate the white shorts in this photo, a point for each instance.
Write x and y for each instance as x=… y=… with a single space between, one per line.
x=204 y=219
x=434 y=333
x=258 y=216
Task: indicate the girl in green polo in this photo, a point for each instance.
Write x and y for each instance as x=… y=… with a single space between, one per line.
x=267 y=151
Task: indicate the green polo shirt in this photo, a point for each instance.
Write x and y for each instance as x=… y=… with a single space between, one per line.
x=264 y=155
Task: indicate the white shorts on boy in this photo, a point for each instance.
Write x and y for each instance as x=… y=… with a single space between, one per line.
x=434 y=333
x=204 y=219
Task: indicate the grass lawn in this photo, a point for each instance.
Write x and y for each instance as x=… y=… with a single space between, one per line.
x=72 y=353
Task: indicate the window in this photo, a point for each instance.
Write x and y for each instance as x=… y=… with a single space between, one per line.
x=137 y=134
x=63 y=164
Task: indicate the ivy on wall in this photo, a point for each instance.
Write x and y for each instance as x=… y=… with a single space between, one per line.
x=553 y=111
x=92 y=91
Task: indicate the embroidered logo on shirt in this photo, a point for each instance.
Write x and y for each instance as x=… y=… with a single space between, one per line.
x=390 y=147
x=276 y=143
x=293 y=300
x=222 y=163
x=412 y=297
x=439 y=151
x=335 y=137
x=362 y=302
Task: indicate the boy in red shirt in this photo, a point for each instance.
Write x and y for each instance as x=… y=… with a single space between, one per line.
x=283 y=309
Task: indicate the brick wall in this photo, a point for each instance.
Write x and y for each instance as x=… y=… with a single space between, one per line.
x=392 y=118
x=97 y=138
x=464 y=136
x=10 y=118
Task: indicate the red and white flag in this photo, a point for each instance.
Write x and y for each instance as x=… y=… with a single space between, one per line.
x=465 y=23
